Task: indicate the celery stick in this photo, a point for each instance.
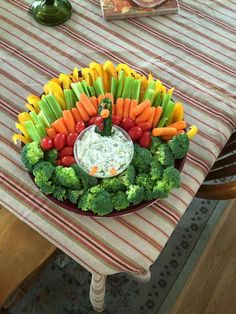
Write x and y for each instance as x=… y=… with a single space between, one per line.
x=54 y=105
x=151 y=85
x=98 y=86
x=91 y=90
x=85 y=88
x=43 y=119
x=150 y=95
x=78 y=89
x=158 y=100
x=29 y=125
x=70 y=98
x=136 y=90
x=47 y=111
x=35 y=117
x=41 y=131
x=120 y=83
x=114 y=85
x=128 y=86
x=165 y=100
x=167 y=113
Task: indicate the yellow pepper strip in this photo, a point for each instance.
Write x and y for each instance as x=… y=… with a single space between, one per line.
x=87 y=76
x=30 y=107
x=106 y=81
x=97 y=67
x=65 y=81
x=61 y=100
x=110 y=68
x=163 y=89
x=158 y=87
x=144 y=85
x=125 y=67
x=19 y=137
x=192 y=131
x=178 y=113
x=33 y=100
x=52 y=87
x=24 y=116
x=135 y=74
x=56 y=80
x=170 y=91
x=76 y=74
x=150 y=78
x=22 y=129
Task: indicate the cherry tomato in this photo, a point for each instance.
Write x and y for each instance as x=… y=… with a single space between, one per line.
x=127 y=124
x=145 y=126
x=46 y=143
x=66 y=151
x=135 y=133
x=59 y=141
x=70 y=141
x=80 y=126
x=116 y=120
x=59 y=162
x=95 y=120
x=145 y=140
x=68 y=161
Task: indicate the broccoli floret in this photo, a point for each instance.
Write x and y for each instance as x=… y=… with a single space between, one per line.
x=156 y=142
x=120 y=200
x=59 y=193
x=85 y=201
x=179 y=145
x=127 y=177
x=161 y=190
x=66 y=176
x=45 y=186
x=135 y=194
x=164 y=155
x=142 y=158
x=87 y=180
x=31 y=154
x=171 y=177
x=73 y=195
x=156 y=170
x=113 y=185
x=51 y=155
x=102 y=203
x=43 y=170
x=144 y=179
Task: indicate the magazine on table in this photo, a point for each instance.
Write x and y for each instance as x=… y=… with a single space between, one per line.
x=121 y=9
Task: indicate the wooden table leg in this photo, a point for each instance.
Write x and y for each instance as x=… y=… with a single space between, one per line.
x=143 y=278
x=97 y=292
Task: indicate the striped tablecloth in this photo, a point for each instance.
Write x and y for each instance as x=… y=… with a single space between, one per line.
x=195 y=51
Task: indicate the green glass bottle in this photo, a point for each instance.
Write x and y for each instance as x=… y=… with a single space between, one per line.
x=51 y=12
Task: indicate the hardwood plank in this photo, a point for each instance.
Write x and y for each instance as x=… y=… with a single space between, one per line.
x=211 y=286
x=22 y=251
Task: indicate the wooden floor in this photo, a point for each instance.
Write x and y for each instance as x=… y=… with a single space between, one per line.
x=211 y=288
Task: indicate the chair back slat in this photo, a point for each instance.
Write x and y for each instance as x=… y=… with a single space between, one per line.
x=223 y=191
x=229 y=148
x=225 y=161
x=221 y=173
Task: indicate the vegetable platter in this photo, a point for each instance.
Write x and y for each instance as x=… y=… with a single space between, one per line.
x=104 y=99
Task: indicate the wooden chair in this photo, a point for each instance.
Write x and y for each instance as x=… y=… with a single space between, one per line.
x=22 y=253
x=225 y=166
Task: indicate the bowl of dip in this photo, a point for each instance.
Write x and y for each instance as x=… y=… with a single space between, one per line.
x=103 y=156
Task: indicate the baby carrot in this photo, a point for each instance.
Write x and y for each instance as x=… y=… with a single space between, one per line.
x=157 y=116
x=94 y=102
x=151 y=118
x=69 y=120
x=51 y=132
x=141 y=107
x=76 y=114
x=167 y=137
x=144 y=116
x=83 y=113
x=119 y=107
x=88 y=106
x=110 y=96
x=60 y=126
x=127 y=103
x=164 y=131
x=133 y=105
x=179 y=125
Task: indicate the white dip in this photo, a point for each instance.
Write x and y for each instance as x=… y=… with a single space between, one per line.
x=103 y=156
